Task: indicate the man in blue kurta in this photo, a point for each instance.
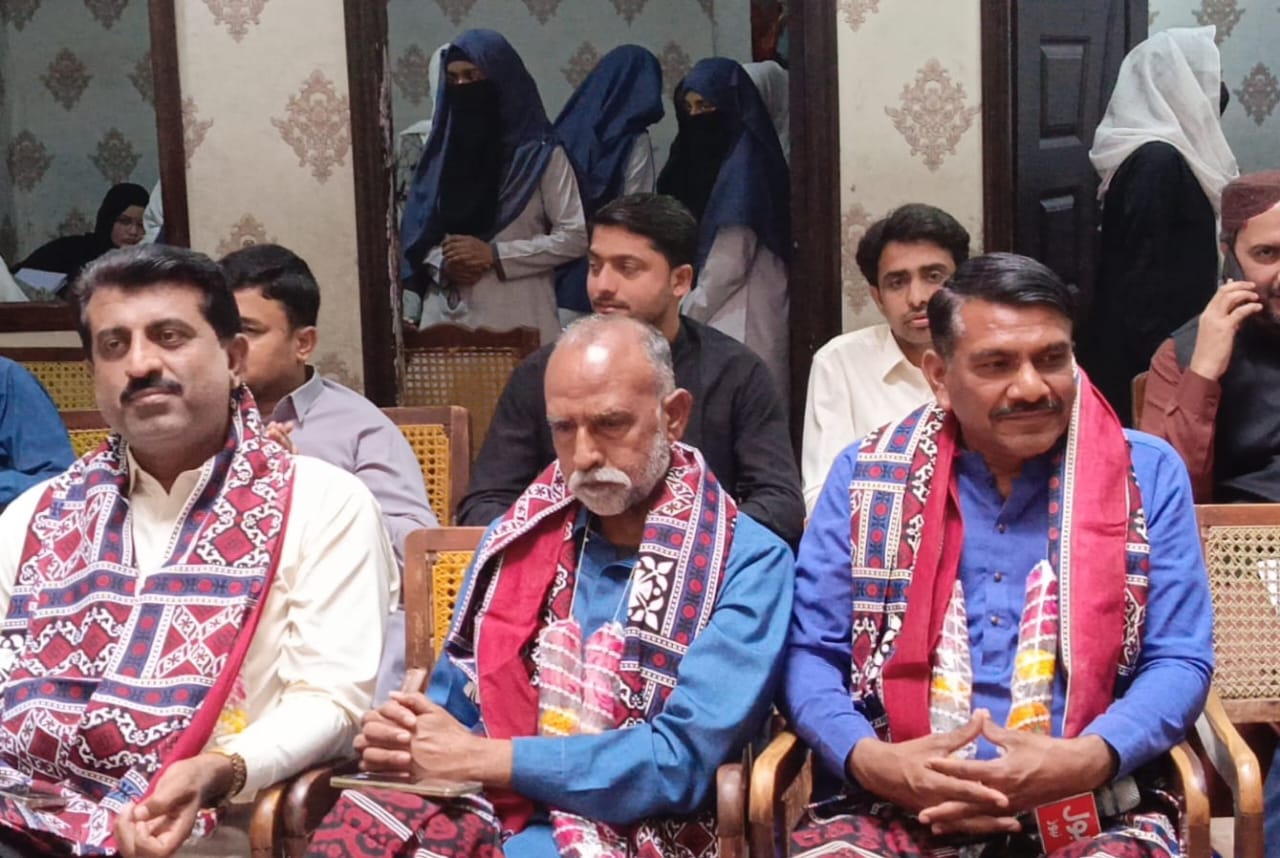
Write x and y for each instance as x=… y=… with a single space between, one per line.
x=1000 y=601
x=618 y=637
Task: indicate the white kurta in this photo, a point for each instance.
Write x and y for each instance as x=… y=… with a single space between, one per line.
x=639 y=174
x=550 y=231
x=742 y=291
x=310 y=669
x=859 y=381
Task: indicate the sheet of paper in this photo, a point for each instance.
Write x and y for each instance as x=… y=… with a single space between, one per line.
x=50 y=281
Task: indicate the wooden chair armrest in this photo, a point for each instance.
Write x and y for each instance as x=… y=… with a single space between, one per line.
x=308 y=797
x=1195 y=799
x=1237 y=765
x=781 y=782
x=264 y=821
x=731 y=809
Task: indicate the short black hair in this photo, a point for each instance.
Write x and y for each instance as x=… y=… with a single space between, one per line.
x=141 y=266
x=668 y=224
x=999 y=278
x=281 y=274
x=911 y=223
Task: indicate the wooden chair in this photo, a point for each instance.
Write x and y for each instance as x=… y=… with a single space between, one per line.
x=63 y=372
x=1242 y=552
x=451 y=365
x=1138 y=389
x=438 y=435
x=435 y=561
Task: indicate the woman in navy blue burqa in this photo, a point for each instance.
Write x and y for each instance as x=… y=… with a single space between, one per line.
x=727 y=166
x=605 y=129
x=494 y=206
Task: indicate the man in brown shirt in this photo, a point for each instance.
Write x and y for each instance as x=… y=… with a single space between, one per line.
x=1214 y=387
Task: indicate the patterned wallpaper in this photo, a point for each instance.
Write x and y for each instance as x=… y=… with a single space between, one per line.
x=268 y=140
x=910 y=121
x=561 y=40
x=1248 y=35
x=76 y=113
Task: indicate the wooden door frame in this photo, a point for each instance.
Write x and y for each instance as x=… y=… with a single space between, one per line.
x=999 y=96
x=815 y=275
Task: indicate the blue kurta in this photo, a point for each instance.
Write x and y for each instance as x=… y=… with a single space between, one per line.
x=724 y=690
x=33 y=439
x=1004 y=540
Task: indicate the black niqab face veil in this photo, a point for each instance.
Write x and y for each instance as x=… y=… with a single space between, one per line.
x=473 y=161
x=704 y=143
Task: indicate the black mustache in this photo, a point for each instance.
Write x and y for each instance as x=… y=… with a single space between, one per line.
x=139 y=386
x=1048 y=406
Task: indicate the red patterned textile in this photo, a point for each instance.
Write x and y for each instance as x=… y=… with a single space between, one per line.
x=881 y=831
x=107 y=678
x=906 y=532
x=522 y=581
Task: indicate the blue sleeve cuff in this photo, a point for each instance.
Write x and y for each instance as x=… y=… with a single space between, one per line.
x=835 y=743
x=536 y=767
x=1131 y=746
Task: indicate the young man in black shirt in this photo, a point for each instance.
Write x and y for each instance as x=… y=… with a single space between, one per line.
x=641 y=264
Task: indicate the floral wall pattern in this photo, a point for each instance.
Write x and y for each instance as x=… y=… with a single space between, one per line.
x=910 y=122
x=267 y=121
x=76 y=114
x=561 y=40
x=1248 y=31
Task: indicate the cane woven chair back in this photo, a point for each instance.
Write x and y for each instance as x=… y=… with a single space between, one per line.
x=62 y=371
x=438 y=437
x=87 y=430
x=1242 y=552
x=449 y=365
x=435 y=562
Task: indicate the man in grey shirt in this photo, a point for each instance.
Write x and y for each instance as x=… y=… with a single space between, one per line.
x=279 y=302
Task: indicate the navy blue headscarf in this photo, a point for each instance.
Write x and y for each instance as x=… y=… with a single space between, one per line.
x=527 y=144
x=616 y=103
x=752 y=185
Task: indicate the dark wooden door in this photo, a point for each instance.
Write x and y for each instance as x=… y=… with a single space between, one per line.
x=1060 y=62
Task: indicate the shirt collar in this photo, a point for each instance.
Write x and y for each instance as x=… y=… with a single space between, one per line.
x=141 y=481
x=889 y=356
x=300 y=400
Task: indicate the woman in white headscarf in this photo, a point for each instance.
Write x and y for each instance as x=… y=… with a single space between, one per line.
x=1164 y=162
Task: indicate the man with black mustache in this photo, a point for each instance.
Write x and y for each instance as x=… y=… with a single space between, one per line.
x=1214 y=387
x=963 y=563
x=190 y=613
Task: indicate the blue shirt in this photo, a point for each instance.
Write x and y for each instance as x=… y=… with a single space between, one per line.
x=1004 y=539
x=725 y=687
x=33 y=440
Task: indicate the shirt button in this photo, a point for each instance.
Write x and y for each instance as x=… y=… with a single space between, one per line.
x=999 y=576
x=995 y=621
x=1000 y=527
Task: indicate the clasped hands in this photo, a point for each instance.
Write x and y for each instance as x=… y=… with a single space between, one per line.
x=466 y=258
x=410 y=734
x=979 y=797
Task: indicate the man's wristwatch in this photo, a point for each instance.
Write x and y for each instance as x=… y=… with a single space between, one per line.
x=239 y=774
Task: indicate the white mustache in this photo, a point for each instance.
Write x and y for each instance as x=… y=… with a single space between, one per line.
x=603 y=475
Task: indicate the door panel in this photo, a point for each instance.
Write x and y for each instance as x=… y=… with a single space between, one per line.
x=1065 y=60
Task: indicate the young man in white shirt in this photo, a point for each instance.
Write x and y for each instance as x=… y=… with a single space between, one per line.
x=863 y=379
